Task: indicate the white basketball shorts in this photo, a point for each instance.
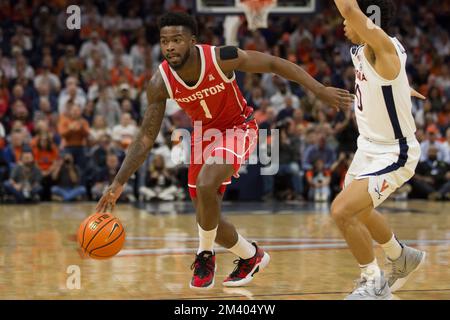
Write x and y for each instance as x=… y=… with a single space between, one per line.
x=387 y=165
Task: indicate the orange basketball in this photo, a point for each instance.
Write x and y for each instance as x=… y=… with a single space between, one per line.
x=101 y=235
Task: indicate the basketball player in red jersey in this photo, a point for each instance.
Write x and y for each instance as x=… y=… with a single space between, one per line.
x=201 y=79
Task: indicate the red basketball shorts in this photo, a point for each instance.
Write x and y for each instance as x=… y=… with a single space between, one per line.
x=233 y=146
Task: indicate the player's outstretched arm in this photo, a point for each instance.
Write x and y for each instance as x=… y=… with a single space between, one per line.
x=232 y=58
x=371 y=34
x=142 y=142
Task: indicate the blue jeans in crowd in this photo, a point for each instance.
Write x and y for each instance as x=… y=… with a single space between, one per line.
x=69 y=194
x=78 y=154
x=20 y=195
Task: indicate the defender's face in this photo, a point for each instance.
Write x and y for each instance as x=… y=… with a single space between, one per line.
x=176 y=43
x=351 y=34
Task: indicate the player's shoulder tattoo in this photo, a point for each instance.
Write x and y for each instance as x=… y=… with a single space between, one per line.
x=157 y=86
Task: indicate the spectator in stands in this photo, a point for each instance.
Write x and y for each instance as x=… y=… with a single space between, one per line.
x=105 y=176
x=4 y=172
x=137 y=53
x=22 y=68
x=299 y=122
x=44 y=92
x=126 y=106
x=72 y=94
x=47 y=75
x=345 y=130
x=446 y=147
x=288 y=111
x=318 y=150
x=289 y=167
x=99 y=128
x=13 y=152
x=432 y=178
x=24 y=183
x=269 y=119
x=318 y=179
x=107 y=107
x=67 y=180
x=132 y=21
x=338 y=171
x=74 y=130
x=4 y=92
x=112 y=20
x=95 y=44
x=432 y=140
x=124 y=132
x=159 y=183
x=278 y=100
x=19 y=112
x=45 y=154
x=19 y=94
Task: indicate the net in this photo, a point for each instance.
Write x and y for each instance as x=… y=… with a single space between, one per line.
x=257 y=12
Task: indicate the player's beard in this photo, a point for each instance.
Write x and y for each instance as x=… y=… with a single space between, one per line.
x=182 y=62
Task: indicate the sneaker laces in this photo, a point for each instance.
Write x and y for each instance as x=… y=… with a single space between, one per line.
x=200 y=266
x=363 y=285
x=395 y=270
x=360 y=286
x=241 y=264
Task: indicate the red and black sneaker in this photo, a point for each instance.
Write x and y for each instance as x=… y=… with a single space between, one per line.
x=245 y=269
x=204 y=268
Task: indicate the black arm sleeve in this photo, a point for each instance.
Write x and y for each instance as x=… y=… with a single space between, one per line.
x=228 y=53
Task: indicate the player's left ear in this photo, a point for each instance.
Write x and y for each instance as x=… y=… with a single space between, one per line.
x=194 y=39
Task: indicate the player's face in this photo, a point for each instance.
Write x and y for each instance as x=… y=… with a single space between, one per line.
x=176 y=43
x=351 y=34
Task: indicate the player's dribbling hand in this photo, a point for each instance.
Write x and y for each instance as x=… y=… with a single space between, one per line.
x=336 y=97
x=109 y=198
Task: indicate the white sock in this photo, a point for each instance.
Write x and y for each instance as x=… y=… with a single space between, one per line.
x=243 y=249
x=392 y=248
x=206 y=239
x=371 y=270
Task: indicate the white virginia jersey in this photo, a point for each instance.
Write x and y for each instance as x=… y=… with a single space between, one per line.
x=383 y=108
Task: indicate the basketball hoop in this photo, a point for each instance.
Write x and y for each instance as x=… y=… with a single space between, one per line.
x=257 y=12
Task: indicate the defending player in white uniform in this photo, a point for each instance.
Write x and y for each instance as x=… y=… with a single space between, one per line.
x=388 y=151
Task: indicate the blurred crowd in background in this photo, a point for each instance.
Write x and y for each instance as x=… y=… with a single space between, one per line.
x=72 y=100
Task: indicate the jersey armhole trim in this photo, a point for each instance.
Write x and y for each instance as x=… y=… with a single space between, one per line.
x=219 y=70
x=386 y=81
x=166 y=81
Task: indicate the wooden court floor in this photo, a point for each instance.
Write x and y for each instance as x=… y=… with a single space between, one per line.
x=309 y=260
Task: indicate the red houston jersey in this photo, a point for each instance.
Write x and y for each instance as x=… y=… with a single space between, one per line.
x=215 y=100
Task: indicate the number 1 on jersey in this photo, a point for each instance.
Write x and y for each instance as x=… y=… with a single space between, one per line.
x=205 y=108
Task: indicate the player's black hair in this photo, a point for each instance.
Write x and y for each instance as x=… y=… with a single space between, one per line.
x=170 y=19
x=387 y=11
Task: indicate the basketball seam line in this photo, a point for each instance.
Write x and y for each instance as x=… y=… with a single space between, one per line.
x=84 y=230
x=107 y=243
x=98 y=231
